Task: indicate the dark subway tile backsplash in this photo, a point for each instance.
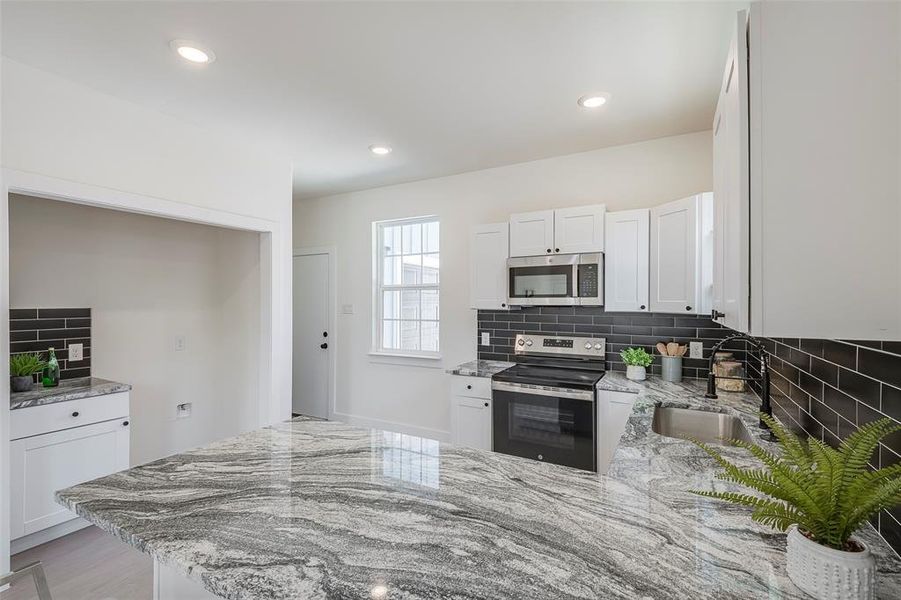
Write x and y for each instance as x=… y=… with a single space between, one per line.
x=621 y=330
x=827 y=388
x=37 y=329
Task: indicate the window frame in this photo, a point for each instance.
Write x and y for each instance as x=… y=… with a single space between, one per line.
x=377 y=349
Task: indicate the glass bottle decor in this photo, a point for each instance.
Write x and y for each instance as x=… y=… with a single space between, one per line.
x=51 y=371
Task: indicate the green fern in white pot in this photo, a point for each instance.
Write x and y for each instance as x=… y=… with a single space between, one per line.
x=822 y=496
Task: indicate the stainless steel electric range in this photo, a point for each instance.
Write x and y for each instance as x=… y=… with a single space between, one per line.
x=545 y=407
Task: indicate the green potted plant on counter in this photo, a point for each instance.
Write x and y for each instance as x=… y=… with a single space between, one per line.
x=821 y=495
x=22 y=368
x=637 y=362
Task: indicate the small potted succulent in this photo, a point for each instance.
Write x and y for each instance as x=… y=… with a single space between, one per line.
x=22 y=368
x=821 y=495
x=637 y=362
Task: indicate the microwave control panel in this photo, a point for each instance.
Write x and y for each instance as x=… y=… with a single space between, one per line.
x=588 y=281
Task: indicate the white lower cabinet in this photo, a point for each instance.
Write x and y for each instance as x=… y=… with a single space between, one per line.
x=614 y=410
x=471 y=412
x=44 y=463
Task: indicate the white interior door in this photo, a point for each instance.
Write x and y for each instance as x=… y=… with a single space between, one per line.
x=312 y=338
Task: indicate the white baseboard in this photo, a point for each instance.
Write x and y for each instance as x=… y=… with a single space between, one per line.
x=43 y=536
x=434 y=434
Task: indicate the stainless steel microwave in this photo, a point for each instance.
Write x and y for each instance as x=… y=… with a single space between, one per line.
x=558 y=280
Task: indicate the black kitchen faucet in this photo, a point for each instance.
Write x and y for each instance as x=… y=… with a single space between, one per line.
x=765 y=406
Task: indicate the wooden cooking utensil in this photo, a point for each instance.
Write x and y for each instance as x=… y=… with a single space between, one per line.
x=661 y=348
x=682 y=349
x=672 y=348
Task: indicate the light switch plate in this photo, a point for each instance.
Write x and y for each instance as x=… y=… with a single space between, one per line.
x=76 y=352
x=486 y=338
x=181 y=343
x=347 y=309
x=696 y=350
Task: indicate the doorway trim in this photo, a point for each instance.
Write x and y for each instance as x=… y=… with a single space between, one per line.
x=275 y=282
x=332 y=253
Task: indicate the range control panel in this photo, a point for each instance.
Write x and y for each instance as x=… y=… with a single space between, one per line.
x=545 y=344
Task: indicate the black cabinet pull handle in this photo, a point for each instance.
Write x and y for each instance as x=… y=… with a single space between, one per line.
x=125 y=423
x=641 y=307
x=468 y=387
x=486 y=404
x=323 y=346
x=687 y=308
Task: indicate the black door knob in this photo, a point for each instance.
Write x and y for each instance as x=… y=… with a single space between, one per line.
x=687 y=308
x=323 y=346
x=75 y=413
x=125 y=423
x=641 y=307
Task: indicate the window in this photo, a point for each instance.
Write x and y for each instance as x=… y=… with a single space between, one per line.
x=406 y=286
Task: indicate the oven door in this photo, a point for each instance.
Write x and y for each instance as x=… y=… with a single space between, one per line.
x=556 y=426
x=543 y=280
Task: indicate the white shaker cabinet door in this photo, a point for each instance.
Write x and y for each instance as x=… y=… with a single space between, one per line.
x=472 y=422
x=532 y=233
x=626 y=260
x=42 y=464
x=579 y=229
x=674 y=257
x=488 y=251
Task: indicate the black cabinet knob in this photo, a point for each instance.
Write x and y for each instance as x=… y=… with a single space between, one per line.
x=325 y=334
x=468 y=387
x=548 y=250
x=503 y=304
x=75 y=413
x=323 y=346
x=641 y=307
x=687 y=308
x=125 y=423
x=486 y=404
x=556 y=249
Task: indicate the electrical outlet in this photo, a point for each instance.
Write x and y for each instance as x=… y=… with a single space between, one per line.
x=183 y=411
x=486 y=338
x=696 y=350
x=76 y=352
x=181 y=343
x=347 y=309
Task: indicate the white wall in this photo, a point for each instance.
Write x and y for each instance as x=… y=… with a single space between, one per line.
x=631 y=176
x=147 y=281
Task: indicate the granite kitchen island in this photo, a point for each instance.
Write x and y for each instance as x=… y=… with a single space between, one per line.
x=317 y=509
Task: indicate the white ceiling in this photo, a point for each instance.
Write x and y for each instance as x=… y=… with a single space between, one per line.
x=453 y=87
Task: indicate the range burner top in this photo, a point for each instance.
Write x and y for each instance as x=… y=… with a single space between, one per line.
x=551 y=376
x=556 y=361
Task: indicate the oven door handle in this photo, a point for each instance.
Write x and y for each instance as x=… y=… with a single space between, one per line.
x=519 y=388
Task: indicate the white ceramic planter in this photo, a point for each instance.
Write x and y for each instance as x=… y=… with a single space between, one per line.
x=829 y=574
x=636 y=373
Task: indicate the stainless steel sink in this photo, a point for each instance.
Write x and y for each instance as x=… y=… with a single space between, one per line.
x=709 y=427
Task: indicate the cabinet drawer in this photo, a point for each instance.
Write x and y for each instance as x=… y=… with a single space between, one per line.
x=35 y=420
x=474 y=387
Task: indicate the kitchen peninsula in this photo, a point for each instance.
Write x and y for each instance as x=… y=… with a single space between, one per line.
x=319 y=509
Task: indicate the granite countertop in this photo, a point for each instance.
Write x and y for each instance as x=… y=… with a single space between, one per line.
x=68 y=389
x=317 y=509
x=480 y=368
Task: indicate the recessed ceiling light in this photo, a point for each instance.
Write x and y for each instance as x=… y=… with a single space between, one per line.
x=192 y=52
x=380 y=149
x=593 y=100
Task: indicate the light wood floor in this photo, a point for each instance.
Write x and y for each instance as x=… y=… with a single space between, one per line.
x=87 y=565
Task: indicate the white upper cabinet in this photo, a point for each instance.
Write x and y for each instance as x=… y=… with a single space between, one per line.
x=561 y=231
x=532 y=233
x=579 y=229
x=730 y=187
x=681 y=266
x=626 y=282
x=488 y=251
